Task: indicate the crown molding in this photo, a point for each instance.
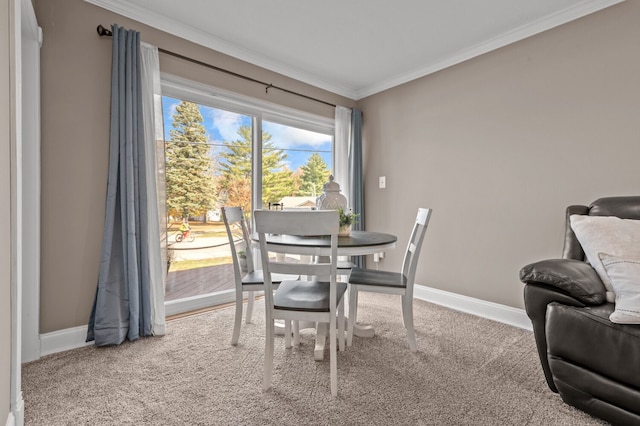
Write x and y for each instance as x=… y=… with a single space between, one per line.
x=193 y=35
x=186 y=32
x=585 y=8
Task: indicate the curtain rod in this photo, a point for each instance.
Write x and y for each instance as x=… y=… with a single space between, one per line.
x=104 y=32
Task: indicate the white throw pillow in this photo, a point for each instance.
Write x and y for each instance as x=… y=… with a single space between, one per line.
x=625 y=277
x=606 y=234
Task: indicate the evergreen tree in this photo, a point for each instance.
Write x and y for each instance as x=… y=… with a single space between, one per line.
x=189 y=169
x=235 y=167
x=315 y=173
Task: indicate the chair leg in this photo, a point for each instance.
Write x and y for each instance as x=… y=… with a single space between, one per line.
x=296 y=333
x=287 y=334
x=407 y=315
x=250 y=303
x=237 y=323
x=333 y=357
x=353 y=304
x=341 y=326
x=268 y=355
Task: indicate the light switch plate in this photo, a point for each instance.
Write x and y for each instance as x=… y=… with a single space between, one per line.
x=382 y=182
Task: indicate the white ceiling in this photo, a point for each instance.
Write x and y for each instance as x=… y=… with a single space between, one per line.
x=354 y=47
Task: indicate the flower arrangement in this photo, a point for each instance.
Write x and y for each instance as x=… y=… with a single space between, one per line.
x=347 y=218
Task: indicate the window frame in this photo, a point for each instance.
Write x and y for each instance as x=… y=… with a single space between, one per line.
x=258 y=110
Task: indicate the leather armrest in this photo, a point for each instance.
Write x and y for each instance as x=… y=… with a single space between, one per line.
x=573 y=277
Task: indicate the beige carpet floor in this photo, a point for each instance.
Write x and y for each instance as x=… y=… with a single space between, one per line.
x=467 y=371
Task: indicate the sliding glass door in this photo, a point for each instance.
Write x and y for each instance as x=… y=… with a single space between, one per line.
x=207 y=164
x=224 y=150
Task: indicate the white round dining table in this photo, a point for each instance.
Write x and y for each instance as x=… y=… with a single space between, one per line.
x=356 y=244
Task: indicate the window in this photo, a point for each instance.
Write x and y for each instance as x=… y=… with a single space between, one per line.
x=295 y=164
x=225 y=149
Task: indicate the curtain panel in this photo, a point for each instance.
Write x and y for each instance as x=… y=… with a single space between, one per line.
x=356 y=183
x=341 y=142
x=155 y=182
x=348 y=168
x=123 y=306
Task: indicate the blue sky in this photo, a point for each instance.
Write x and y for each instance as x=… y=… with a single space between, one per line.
x=222 y=126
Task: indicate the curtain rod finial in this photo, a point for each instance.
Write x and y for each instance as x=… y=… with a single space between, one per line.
x=103 y=32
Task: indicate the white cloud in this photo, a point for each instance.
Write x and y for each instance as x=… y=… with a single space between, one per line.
x=285 y=137
x=226 y=122
x=293 y=137
x=173 y=109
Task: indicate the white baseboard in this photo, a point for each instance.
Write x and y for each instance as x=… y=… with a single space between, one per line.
x=71 y=338
x=63 y=340
x=482 y=308
x=16 y=417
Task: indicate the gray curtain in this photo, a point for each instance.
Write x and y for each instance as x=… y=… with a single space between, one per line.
x=122 y=305
x=355 y=170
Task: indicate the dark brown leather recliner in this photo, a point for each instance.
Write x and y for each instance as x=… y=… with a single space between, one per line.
x=592 y=363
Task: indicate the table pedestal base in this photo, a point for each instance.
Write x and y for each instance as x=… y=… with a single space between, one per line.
x=322 y=330
x=359 y=330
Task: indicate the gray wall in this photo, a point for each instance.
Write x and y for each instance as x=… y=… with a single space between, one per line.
x=76 y=69
x=499 y=145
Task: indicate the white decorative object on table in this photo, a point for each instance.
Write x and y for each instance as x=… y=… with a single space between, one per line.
x=331 y=199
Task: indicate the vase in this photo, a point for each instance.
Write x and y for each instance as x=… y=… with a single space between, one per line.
x=331 y=198
x=344 y=231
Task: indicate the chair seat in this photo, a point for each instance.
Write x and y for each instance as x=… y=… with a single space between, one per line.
x=310 y=296
x=257 y=277
x=377 y=278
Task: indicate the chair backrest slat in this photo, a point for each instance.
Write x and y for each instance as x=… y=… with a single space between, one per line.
x=300 y=222
x=299 y=268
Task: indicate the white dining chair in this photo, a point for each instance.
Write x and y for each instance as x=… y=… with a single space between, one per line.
x=376 y=281
x=317 y=298
x=251 y=281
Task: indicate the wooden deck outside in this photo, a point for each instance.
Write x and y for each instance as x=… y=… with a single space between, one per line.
x=199 y=281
